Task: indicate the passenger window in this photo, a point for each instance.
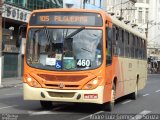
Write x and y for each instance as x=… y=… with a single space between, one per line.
x=115 y=37
x=109 y=46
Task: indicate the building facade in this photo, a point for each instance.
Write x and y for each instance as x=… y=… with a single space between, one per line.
x=35 y=4
x=14 y=14
x=141 y=14
x=0 y=42
x=154 y=28
x=85 y=4
x=124 y=10
x=154 y=22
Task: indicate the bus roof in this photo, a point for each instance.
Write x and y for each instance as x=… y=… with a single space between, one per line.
x=68 y=10
x=103 y=13
x=128 y=28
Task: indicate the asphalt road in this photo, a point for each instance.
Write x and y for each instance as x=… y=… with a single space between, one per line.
x=13 y=106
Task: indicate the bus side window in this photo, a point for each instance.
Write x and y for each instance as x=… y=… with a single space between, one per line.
x=121 y=43
x=131 y=45
x=136 y=47
x=145 y=52
x=115 y=37
x=109 y=46
x=126 y=40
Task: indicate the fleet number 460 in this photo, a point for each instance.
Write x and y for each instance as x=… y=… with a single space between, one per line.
x=83 y=63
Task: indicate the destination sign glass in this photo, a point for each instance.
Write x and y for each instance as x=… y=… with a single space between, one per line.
x=65 y=19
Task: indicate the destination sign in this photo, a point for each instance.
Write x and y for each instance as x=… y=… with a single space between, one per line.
x=65 y=19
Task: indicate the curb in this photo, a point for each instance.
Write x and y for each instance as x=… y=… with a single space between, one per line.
x=1 y=86
x=152 y=74
x=9 y=86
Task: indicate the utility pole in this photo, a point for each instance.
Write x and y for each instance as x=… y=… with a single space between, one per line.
x=1 y=10
x=121 y=11
x=147 y=29
x=84 y=2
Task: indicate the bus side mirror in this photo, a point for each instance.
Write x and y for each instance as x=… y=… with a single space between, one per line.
x=18 y=42
x=21 y=30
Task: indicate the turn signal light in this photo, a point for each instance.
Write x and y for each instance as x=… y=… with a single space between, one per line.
x=32 y=82
x=92 y=84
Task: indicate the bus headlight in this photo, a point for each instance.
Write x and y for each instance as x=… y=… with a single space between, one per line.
x=32 y=82
x=92 y=84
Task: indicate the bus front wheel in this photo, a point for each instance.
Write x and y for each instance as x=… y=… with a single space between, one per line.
x=109 y=106
x=46 y=104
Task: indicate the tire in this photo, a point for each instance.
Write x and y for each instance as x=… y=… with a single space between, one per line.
x=46 y=105
x=109 y=106
x=134 y=95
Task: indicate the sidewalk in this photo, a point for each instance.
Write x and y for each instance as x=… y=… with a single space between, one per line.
x=11 y=82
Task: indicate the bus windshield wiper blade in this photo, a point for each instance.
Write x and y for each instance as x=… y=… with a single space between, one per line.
x=75 y=32
x=86 y=50
x=46 y=33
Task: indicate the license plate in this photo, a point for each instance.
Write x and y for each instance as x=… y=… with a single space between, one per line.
x=90 y=96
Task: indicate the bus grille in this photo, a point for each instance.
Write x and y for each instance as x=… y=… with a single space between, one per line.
x=70 y=82
x=57 y=86
x=56 y=78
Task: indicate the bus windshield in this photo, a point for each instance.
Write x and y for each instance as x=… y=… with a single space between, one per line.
x=64 y=49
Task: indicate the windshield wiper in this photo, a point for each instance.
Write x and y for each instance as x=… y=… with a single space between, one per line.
x=86 y=50
x=74 y=33
x=45 y=30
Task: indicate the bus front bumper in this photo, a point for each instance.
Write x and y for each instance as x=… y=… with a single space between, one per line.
x=80 y=96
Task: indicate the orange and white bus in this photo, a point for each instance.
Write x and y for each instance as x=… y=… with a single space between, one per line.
x=82 y=56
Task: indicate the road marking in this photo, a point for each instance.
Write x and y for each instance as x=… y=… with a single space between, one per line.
x=145 y=94
x=40 y=113
x=157 y=91
x=33 y=113
x=126 y=102
x=8 y=107
x=140 y=115
x=91 y=115
x=13 y=94
x=50 y=112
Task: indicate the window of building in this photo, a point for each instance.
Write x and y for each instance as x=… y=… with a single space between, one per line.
x=147 y=1
x=88 y=1
x=140 y=16
x=140 y=1
x=36 y=4
x=16 y=2
x=94 y=2
x=146 y=17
